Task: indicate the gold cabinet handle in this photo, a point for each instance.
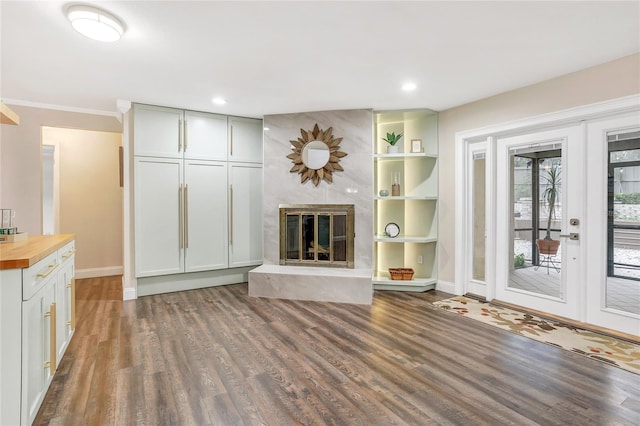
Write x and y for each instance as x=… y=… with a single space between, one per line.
x=180 y=218
x=230 y=214
x=186 y=216
x=51 y=314
x=231 y=140
x=52 y=267
x=180 y=135
x=73 y=303
x=68 y=254
x=185 y=133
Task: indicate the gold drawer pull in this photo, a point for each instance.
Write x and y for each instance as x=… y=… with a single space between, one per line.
x=68 y=254
x=52 y=267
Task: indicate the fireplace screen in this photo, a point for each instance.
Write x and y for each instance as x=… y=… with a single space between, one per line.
x=317 y=235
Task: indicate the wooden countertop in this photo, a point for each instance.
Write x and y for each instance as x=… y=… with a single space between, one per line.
x=26 y=253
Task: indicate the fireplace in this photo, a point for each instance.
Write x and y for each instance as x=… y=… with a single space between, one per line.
x=317 y=235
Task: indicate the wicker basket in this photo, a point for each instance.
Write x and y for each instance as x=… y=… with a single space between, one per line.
x=404 y=274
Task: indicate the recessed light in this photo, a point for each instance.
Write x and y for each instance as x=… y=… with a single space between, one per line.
x=218 y=101
x=266 y=129
x=408 y=87
x=95 y=23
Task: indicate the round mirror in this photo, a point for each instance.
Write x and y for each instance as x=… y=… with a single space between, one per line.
x=315 y=154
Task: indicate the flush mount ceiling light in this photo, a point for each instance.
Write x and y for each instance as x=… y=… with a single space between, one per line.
x=218 y=101
x=408 y=87
x=95 y=23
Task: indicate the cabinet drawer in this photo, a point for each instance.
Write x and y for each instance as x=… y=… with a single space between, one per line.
x=66 y=253
x=34 y=277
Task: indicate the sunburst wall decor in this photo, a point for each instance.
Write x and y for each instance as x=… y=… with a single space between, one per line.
x=310 y=142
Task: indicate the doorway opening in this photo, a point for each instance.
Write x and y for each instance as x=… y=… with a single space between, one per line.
x=82 y=195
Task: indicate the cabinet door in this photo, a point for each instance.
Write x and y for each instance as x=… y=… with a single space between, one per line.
x=245 y=194
x=205 y=136
x=38 y=347
x=64 y=307
x=157 y=131
x=158 y=216
x=205 y=207
x=245 y=139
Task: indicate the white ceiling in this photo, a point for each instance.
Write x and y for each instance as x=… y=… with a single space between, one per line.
x=282 y=57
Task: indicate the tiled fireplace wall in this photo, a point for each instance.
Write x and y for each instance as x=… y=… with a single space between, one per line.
x=354 y=185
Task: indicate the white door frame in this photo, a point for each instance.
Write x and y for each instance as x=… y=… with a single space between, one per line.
x=573 y=116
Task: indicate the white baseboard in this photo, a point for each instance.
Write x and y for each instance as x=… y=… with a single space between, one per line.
x=99 y=272
x=129 y=293
x=446 y=286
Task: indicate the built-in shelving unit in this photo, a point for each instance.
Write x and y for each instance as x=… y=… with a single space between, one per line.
x=415 y=210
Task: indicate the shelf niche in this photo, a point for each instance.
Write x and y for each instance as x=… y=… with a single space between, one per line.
x=415 y=210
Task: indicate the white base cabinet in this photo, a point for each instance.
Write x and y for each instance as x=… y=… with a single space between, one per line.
x=37 y=320
x=39 y=352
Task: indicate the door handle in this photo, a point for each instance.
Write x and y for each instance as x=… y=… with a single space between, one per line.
x=186 y=215
x=572 y=236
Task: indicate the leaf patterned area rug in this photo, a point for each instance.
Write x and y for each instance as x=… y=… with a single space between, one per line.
x=621 y=353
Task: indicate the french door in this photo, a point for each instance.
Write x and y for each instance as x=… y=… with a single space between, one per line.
x=540 y=210
x=568 y=221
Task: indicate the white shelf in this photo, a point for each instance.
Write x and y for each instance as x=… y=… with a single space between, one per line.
x=402 y=155
x=415 y=285
x=406 y=197
x=399 y=239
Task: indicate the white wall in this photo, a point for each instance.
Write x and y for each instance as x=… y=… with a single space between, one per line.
x=354 y=185
x=611 y=80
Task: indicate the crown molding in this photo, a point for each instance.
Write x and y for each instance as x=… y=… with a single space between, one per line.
x=65 y=108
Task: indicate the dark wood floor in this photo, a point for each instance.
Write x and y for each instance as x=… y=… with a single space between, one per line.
x=216 y=356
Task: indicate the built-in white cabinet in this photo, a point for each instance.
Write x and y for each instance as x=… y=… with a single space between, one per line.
x=245 y=194
x=197 y=197
x=158 y=216
x=180 y=216
x=37 y=321
x=205 y=213
x=157 y=131
x=65 y=298
x=205 y=136
x=245 y=140
x=413 y=208
x=39 y=353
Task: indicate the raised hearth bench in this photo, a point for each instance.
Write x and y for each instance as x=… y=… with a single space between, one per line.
x=318 y=284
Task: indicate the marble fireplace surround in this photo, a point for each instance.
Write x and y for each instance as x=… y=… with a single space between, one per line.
x=354 y=186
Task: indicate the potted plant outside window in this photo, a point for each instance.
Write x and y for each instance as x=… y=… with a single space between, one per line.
x=548 y=246
x=392 y=139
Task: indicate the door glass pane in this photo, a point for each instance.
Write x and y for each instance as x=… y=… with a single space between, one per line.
x=308 y=231
x=536 y=214
x=479 y=222
x=324 y=236
x=340 y=238
x=293 y=237
x=623 y=242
